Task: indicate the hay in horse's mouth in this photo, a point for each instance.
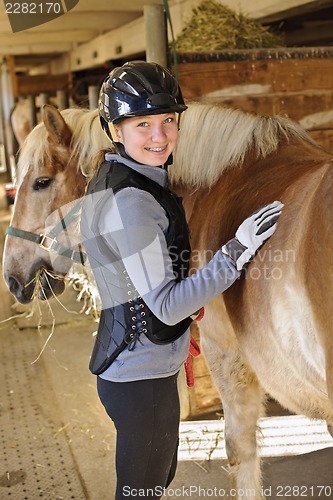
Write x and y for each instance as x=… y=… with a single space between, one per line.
x=47 y=284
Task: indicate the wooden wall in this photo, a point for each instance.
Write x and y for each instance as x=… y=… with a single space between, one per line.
x=293 y=82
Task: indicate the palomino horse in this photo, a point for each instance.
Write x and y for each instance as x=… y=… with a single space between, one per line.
x=49 y=177
x=270 y=332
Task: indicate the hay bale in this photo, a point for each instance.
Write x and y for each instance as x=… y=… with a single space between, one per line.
x=215 y=27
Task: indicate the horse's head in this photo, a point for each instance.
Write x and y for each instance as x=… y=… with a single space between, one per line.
x=48 y=180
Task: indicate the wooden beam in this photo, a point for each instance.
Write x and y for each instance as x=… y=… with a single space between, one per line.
x=311 y=35
x=92 y=21
x=299 y=106
x=263 y=10
x=275 y=10
x=113 y=5
x=50 y=48
x=119 y=43
x=13 y=76
x=286 y=70
x=324 y=138
x=34 y=85
x=41 y=38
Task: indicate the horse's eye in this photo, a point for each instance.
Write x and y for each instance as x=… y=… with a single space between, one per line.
x=41 y=183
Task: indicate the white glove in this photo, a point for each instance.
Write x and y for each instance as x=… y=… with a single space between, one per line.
x=252 y=233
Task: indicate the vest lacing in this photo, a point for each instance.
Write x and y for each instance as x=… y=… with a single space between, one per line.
x=137 y=312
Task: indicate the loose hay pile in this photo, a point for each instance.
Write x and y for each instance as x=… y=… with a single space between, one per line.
x=215 y=27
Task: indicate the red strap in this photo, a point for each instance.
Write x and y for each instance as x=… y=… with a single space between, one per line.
x=194 y=350
x=201 y=314
x=189 y=371
x=198 y=315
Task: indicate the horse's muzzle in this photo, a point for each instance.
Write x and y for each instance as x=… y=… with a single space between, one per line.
x=42 y=284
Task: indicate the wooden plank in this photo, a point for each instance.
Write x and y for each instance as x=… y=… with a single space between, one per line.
x=295 y=105
x=119 y=43
x=201 y=78
x=271 y=10
x=45 y=37
x=41 y=83
x=310 y=35
x=313 y=110
x=324 y=138
x=13 y=76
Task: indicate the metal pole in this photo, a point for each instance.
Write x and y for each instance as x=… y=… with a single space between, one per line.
x=93 y=96
x=156 y=34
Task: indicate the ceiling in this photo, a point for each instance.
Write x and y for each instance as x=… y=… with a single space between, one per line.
x=87 y=20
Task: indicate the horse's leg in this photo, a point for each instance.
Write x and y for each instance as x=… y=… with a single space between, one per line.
x=242 y=399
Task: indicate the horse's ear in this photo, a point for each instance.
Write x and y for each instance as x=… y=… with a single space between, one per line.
x=58 y=130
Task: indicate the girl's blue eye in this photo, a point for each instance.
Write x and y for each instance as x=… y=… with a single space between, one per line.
x=143 y=124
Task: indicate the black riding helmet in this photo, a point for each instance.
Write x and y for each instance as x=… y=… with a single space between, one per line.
x=138 y=88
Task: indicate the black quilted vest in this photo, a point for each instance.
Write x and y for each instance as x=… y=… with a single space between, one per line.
x=121 y=326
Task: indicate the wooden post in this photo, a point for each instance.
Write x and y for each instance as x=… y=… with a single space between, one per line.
x=93 y=96
x=62 y=99
x=7 y=104
x=32 y=111
x=43 y=99
x=13 y=77
x=156 y=34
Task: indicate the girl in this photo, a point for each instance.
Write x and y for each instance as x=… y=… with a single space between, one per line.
x=137 y=240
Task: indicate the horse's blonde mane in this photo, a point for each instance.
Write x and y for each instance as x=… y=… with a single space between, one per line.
x=214 y=138
x=88 y=139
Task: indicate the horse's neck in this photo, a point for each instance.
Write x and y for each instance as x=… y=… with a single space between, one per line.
x=189 y=196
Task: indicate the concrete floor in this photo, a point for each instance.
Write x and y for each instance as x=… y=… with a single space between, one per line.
x=57 y=442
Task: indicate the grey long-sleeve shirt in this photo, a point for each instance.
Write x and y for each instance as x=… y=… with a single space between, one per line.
x=134 y=225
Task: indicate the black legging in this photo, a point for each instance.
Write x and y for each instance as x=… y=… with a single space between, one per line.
x=146 y=415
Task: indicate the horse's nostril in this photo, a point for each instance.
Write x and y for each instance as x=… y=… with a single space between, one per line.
x=13 y=285
x=23 y=294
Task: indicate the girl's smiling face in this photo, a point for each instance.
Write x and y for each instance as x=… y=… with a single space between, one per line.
x=149 y=139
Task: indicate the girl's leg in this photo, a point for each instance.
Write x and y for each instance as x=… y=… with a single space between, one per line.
x=146 y=416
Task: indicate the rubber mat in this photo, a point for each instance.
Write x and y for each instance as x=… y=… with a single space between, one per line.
x=35 y=457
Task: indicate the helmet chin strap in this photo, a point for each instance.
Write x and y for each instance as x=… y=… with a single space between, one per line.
x=121 y=149
x=179 y=117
